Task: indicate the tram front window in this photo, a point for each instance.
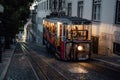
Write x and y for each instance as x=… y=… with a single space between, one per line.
x=77 y=33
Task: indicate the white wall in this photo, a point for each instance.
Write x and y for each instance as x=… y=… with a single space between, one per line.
x=108 y=11
x=42 y=10
x=41 y=13
x=87 y=9
x=104 y=29
x=74 y=7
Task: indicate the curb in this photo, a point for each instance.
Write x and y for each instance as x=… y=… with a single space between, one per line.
x=7 y=65
x=107 y=62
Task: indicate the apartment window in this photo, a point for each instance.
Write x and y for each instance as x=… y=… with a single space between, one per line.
x=118 y=12
x=47 y=4
x=69 y=9
x=60 y=5
x=96 y=10
x=55 y=5
x=44 y=5
x=63 y=3
x=116 y=48
x=80 y=9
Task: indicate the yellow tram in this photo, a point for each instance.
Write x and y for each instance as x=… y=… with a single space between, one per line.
x=69 y=38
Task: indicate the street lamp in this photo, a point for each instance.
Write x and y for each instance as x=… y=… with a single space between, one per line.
x=1 y=12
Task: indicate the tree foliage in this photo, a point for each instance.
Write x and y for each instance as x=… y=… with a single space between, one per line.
x=16 y=13
x=15 y=16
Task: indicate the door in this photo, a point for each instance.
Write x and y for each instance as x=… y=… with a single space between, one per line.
x=95 y=42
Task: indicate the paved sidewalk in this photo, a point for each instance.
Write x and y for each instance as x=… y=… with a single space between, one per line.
x=113 y=60
x=6 y=59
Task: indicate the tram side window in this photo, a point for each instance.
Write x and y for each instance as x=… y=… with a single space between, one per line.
x=46 y=25
x=60 y=30
x=59 y=37
x=68 y=32
x=53 y=28
x=50 y=27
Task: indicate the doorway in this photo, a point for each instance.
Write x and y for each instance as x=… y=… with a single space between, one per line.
x=95 y=42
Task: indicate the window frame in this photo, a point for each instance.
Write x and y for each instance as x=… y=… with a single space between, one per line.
x=117 y=21
x=115 y=48
x=80 y=7
x=96 y=13
x=69 y=9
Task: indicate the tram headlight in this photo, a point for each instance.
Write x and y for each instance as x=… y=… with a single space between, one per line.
x=83 y=47
x=80 y=48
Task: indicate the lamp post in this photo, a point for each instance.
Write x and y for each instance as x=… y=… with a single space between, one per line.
x=1 y=22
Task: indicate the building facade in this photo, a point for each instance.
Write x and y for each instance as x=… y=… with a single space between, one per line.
x=105 y=15
x=42 y=8
x=42 y=11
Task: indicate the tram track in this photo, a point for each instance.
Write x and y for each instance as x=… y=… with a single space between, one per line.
x=37 y=70
x=83 y=70
x=99 y=67
x=43 y=70
x=20 y=68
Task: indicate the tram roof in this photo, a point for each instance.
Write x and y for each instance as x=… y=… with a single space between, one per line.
x=68 y=20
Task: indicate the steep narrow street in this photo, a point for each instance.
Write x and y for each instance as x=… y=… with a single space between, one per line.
x=33 y=62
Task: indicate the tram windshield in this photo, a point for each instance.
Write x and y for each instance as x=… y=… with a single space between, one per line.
x=78 y=32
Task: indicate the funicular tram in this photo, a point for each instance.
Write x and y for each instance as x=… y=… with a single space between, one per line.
x=69 y=38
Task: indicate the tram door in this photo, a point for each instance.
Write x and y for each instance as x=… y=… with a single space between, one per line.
x=95 y=41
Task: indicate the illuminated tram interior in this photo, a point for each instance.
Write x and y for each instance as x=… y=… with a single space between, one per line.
x=70 y=41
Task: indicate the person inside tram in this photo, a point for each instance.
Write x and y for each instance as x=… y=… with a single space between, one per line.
x=75 y=33
x=78 y=33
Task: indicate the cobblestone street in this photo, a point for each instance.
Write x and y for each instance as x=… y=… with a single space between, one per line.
x=33 y=62
x=20 y=68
